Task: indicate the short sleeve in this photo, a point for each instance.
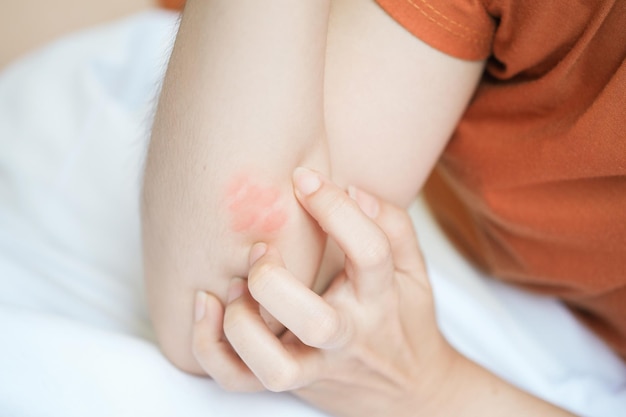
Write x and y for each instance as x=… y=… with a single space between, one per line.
x=461 y=28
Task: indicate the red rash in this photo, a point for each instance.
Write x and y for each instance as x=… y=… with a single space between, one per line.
x=254 y=207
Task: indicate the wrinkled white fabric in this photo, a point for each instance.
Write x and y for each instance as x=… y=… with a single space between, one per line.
x=75 y=338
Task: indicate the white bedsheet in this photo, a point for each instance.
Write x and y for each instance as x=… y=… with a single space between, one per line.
x=75 y=339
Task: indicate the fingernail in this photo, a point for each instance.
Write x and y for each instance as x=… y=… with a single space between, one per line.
x=307 y=182
x=200 y=308
x=258 y=250
x=235 y=289
x=368 y=203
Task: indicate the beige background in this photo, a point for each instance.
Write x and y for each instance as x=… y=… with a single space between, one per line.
x=28 y=24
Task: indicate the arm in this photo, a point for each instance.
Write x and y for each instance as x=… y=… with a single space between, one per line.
x=383 y=88
x=241 y=106
x=370 y=345
x=245 y=97
x=391 y=104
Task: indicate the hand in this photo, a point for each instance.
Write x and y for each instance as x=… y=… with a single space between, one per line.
x=369 y=346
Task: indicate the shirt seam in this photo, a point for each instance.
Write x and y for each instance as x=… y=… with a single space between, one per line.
x=471 y=36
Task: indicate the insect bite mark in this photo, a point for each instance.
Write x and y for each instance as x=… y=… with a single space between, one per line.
x=254 y=207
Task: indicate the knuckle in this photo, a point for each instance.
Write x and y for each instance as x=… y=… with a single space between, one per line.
x=373 y=254
x=200 y=348
x=233 y=317
x=324 y=331
x=230 y=383
x=261 y=277
x=335 y=203
x=206 y=359
x=282 y=378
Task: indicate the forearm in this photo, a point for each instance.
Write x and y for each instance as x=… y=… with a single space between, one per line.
x=470 y=390
x=241 y=107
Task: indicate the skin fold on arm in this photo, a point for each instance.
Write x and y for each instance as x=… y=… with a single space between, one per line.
x=256 y=88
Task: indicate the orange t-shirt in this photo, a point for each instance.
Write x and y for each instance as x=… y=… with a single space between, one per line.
x=532 y=185
x=172 y=4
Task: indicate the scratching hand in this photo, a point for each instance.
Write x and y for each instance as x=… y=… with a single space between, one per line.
x=368 y=346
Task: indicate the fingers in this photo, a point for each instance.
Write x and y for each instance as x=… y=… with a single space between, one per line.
x=213 y=353
x=368 y=252
x=377 y=238
x=302 y=311
x=398 y=227
x=259 y=348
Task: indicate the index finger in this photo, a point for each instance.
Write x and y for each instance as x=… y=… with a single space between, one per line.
x=369 y=262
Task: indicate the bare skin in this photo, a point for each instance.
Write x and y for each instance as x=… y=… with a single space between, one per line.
x=218 y=99
x=369 y=345
x=255 y=208
x=257 y=88
x=363 y=90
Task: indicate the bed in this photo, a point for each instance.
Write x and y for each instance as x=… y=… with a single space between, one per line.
x=75 y=337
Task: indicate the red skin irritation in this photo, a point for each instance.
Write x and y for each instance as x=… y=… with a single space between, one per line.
x=253 y=207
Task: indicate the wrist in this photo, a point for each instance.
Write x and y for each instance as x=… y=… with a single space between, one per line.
x=440 y=384
x=471 y=390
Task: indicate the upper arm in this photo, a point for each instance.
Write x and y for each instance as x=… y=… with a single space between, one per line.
x=391 y=101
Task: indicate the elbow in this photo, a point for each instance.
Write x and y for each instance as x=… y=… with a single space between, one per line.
x=170 y=305
x=173 y=330
x=181 y=356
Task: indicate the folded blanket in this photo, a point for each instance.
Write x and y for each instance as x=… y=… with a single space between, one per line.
x=75 y=338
